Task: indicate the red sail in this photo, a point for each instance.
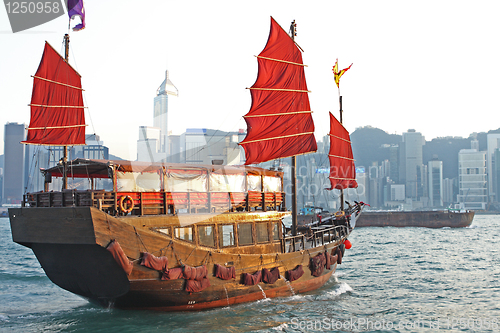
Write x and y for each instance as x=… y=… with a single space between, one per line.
x=279 y=123
x=342 y=169
x=57 y=112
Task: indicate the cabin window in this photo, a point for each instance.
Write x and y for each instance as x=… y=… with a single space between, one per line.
x=138 y=181
x=206 y=235
x=223 y=182
x=262 y=232
x=186 y=180
x=245 y=234
x=184 y=233
x=226 y=235
x=272 y=184
x=165 y=231
x=276 y=233
x=254 y=183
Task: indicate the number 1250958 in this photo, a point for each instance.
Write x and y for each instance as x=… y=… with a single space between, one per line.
x=23 y=7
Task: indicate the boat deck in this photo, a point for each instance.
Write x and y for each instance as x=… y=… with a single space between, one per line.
x=161 y=202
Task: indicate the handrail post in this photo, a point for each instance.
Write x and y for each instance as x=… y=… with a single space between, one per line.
x=165 y=208
x=141 y=204
x=115 y=203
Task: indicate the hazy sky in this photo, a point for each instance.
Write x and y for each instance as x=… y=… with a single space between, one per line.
x=428 y=65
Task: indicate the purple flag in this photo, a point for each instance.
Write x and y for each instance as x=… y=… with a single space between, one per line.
x=75 y=8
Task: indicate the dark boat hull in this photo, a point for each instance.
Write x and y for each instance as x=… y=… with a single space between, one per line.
x=70 y=244
x=427 y=219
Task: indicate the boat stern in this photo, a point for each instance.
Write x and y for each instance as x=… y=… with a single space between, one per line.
x=64 y=242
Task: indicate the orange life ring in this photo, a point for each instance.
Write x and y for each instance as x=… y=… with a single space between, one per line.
x=126 y=203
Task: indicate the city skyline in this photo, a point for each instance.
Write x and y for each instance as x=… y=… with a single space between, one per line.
x=318 y=139
x=406 y=74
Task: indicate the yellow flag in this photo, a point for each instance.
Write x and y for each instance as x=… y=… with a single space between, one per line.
x=338 y=73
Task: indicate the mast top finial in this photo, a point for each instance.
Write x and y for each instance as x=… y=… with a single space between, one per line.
x=293 y=29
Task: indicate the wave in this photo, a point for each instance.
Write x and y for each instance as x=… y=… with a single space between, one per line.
x=342 y=289
x=280 y=327
x=6 y=276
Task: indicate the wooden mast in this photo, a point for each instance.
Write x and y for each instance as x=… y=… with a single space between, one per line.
x=294 y=163
x=65 y=147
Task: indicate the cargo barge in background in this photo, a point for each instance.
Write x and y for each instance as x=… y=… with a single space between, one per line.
x=427 y=219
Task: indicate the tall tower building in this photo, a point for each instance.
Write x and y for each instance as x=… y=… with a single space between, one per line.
x=473 y=182
x=493 y=145
x=411 y=162
x=435 y=169
x=13 y=180
x=160 y=121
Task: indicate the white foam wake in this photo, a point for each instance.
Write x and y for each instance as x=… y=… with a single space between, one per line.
x=341 y=289
x=280 y=327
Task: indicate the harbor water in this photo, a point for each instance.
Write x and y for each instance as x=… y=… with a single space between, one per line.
x=391 y=280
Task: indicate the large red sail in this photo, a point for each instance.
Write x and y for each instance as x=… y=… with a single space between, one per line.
x=342 y=169
x=57 y=111
x=279 y=123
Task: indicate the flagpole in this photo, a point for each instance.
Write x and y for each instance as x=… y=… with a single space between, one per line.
x=337 y=74
x=341 y=190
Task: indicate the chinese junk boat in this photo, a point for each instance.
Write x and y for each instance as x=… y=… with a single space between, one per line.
x=176 y=236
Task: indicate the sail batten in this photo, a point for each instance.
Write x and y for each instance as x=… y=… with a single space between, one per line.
x=275 y=89
x=277 y=114
x=342 y=168
x=53 y=127
x=62 y=84
x=286 y=62
x=342 y=157
x=279 y=123
x=276 y=138
x=339 y=138
x=57 y=109
x=58 y=106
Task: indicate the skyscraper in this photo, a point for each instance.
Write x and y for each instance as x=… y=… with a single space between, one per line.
x=160 y=119
x=473 y=182
x=411 y=162
x=493 y=144
x=13 y=180
x=435 y=169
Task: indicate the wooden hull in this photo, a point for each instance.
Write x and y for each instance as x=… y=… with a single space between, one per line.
x=70 y=244
x=427 y=219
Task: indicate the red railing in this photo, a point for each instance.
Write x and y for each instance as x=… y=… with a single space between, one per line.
x=150 y=203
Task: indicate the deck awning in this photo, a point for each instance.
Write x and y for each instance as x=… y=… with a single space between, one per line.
x=88 y=168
